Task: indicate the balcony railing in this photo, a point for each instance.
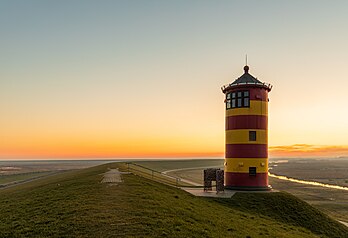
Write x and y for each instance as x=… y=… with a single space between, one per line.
x=266 y=85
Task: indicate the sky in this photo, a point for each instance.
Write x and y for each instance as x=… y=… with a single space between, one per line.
x=87 y=79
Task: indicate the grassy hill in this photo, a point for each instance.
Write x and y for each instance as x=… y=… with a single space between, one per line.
x=76 y=204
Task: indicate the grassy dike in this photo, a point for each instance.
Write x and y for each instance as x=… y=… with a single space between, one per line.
x=76 y=204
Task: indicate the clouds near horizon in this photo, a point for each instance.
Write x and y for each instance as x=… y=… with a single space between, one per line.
x=306 y=150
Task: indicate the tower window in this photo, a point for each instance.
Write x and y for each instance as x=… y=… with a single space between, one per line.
x=252 y=135
x=246 y=102
x=233 y=103
x=239 y=104
x=252 y=171
x=237 y=99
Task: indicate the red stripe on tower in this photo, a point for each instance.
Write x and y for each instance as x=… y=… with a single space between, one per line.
x=246 y=122
x=246 y=151
x=238 y=180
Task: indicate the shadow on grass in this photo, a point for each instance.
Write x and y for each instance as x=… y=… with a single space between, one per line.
x=285 y=208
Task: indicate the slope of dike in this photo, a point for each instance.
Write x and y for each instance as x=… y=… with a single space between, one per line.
x=77 y=204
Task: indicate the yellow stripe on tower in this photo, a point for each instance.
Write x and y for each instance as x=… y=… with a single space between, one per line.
x=242 y=136
x=256 y=108
x=241 y=165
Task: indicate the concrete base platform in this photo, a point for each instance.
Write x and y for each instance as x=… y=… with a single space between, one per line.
x=246 y=188
x=201 y=193
x=225 y=194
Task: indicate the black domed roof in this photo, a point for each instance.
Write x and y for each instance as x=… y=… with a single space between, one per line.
x=246 y=80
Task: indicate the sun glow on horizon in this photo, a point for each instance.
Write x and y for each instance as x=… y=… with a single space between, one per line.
x=156 y=150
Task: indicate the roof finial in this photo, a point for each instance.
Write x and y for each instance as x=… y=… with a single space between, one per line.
x=246 y=67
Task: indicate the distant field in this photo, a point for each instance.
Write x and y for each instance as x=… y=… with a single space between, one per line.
x=13 y=172
x=6 y=179
x=28 y=166
x=76 y=204
x=331 y=171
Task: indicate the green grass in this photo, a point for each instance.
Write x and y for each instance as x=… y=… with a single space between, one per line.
x=76 y=204
x=331 y=201
x=285 y=208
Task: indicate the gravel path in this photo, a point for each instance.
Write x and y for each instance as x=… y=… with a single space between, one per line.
x=113 y=176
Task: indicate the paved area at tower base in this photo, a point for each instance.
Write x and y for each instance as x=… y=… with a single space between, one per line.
x=225 y=194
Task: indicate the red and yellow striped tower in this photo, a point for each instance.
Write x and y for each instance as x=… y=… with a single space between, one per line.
x=246 y=158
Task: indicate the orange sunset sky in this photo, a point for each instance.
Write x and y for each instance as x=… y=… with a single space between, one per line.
x=108 y=79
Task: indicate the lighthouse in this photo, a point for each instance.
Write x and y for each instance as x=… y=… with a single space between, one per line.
x=246 y=133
